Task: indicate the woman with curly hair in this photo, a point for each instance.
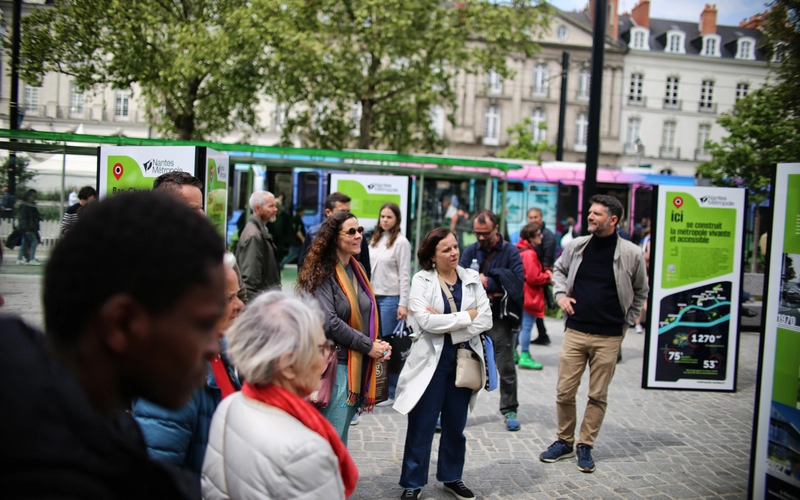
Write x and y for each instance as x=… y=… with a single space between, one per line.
x=337 y=280
x=390 y=257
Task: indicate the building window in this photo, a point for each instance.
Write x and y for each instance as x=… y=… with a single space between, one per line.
x=634 y=125
x=640 y=39
x=711 y=45
x=745 y=49
x=437 y=120
x=562 y=32
x=675 y=43
x=491 y=126
x=279 y=117
x=122 y=104
x=581 y=132
x=537 y=118
x=75 y=101
x=635 y=96
x=540 y=80
x=741 y=90
x=30 y=100
x=668 y=140
x=355 y=119
x=494 y=83
x=707 y=96
x=584 y=84
x=703 y=135
x=671 y=95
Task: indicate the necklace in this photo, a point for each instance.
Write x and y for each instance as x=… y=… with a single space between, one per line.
x=451 y=286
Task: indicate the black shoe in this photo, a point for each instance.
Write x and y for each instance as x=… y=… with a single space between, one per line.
x=458 y=489
x=410 y=494
x=619 y=357
x=542 y=339
x=748 y=312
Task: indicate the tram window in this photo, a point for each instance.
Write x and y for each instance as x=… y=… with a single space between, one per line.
x=515 y=202
x=620 y=192
x=567 y=203
x=642 y=207
x=308 y=192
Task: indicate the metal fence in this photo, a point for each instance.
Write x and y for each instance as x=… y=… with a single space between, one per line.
x=49 y=232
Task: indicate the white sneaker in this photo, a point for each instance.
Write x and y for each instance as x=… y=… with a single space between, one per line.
x=34 y=262
x=21 y=263
x=355 y=420
x=388 y=402
x=638 y=328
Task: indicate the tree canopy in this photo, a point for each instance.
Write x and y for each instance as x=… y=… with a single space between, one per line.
x=523 y=147
x=199 y=64
x=373 y=73
x=762 y=131
x=782 y=40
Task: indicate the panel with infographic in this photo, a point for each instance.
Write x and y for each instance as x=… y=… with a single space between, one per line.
x=370 y=192
x=216 y=185
x=775 y=468
x=692 y=336
x=134 y=168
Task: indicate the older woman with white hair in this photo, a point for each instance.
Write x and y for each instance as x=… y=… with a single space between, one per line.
x=267 y=441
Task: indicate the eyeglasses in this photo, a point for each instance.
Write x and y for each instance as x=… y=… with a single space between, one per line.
x=327 y=349
x=483 y=234
x=352 y=231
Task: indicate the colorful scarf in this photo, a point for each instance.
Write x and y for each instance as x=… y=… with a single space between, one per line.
x=309 y=416
x=360 y=367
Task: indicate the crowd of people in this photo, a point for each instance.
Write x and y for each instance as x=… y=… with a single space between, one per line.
x=173 y=368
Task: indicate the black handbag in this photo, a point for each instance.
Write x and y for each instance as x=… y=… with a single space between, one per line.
x=14 y=238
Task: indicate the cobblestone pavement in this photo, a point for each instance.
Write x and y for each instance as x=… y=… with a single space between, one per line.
x=653 y=444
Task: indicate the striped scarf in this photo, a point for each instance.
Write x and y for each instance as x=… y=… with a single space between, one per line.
x=360 y=367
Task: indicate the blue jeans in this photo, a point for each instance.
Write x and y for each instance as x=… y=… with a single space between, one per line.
x=387 y=310
x=441 y=396
x=528 y=320
x=337 y=412
x=294 y=252
x=27 y=246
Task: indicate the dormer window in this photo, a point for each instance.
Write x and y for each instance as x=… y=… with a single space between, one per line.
x=711 y=44
x=745 y=48
x=640 y=39
x=675 y=44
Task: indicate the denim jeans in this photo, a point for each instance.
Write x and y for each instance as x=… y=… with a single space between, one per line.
x=294 y=252
x=441 y=396
x=337 y=412
x=27 y=246
x=387 y=310
x=528 y=320
x=503 y=339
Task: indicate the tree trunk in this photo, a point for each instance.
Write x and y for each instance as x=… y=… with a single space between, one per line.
x=756 y=231
x=365 y=127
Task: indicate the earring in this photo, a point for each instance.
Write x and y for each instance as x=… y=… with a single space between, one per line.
x=434 y=265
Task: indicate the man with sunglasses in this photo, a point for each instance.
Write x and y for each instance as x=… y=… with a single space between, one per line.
x=501 y=272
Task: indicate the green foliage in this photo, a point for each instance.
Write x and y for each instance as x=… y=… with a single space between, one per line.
x=782 y=37
x=392 y=61
x=761 y=132
x=24 y=176
x=199 y=64
x=525 y=148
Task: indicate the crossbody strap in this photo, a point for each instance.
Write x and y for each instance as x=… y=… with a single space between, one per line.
x=446 y=289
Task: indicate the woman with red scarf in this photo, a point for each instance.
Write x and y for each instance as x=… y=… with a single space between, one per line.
x=267 y=441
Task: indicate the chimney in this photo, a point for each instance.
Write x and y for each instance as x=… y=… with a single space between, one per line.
x=612 y=18
x=708 y=20
x=752 y=23
x=641 y=14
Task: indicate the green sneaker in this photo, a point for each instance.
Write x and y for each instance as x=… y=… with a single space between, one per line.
x=516 y=357
x=525 y=361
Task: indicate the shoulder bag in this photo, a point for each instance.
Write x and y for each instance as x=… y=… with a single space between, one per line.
x=468 y=363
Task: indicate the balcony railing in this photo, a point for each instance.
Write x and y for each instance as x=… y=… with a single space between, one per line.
x=541 y=92
x=630 y=149
x=87 y=113
x=582 y=95
x=702 y=155
x=490 y=141
x=669 y=152
x=639 y=101
x=580 y=148
x=707 y=107
x=675 y=104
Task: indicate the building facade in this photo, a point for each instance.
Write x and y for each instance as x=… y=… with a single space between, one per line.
x=679 y=77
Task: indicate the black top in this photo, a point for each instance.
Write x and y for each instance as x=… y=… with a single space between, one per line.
x=297 y=227
x=456 y=291
x=597 y=307
x=56 y=445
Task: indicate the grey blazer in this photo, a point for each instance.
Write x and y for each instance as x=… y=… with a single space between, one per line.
x=336 y=312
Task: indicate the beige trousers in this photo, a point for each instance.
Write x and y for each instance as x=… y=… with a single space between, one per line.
x=600 y=351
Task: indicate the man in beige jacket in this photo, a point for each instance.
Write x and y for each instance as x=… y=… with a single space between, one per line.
x=601 y=285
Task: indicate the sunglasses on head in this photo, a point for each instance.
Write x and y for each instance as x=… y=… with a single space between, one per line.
x=352 y=231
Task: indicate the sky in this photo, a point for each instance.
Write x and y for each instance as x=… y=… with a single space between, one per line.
x=729 y=12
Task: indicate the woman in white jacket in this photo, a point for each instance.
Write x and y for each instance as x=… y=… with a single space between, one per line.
x=267 y=441
x=390 y=259
x=427 y=385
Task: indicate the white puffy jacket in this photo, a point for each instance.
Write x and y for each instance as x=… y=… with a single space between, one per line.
x=257 y=451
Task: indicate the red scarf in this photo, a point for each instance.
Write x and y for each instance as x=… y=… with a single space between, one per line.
x=221 y=376
x=310 y=417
